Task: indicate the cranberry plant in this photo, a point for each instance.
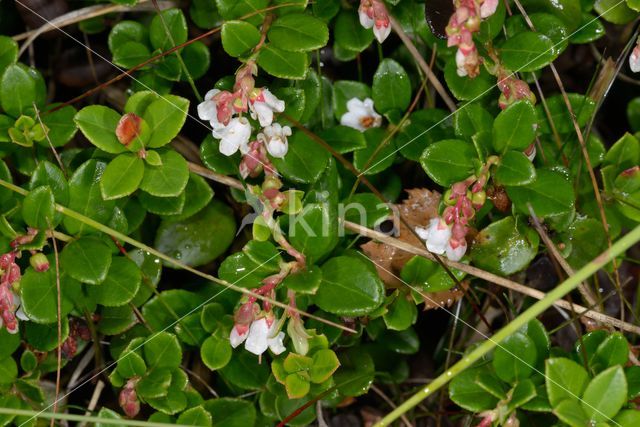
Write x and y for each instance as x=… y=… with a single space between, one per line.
x=237 y=213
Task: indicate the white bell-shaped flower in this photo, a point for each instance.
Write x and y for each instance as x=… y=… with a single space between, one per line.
x=233 y=137
x=456 y=253
x=488 y=8
x=236 y=338
x=207 y=109
x=264 y=105
x=260 y=338
x=365 y=20
x=360 y=115
x=437 y=235
x=275 y=140
x=382 y=31
x=634 y=59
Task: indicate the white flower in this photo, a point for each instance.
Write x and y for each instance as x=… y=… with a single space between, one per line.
x=360 y=115
x=20 y=314
x=365 y=20
x=259 y=338
x=264 y=105
x=456 y=254
x=488 y=8
x=460 y=61
x=235 y=338
x=274 y=138
x=382 y=31
x=634 y=59
x=437 y=235
x=233 y=137
x=207 y=110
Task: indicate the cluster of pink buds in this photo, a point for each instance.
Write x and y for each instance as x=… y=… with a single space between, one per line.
x=77 y=330
x=513 y=89
x=224 y=110
x=447 y=234
x=634 y=58
x=464 y=22
x=10 y=310
x=374 y=14
x=128 y=398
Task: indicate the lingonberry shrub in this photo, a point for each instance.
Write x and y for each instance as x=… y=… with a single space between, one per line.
x=255 y=212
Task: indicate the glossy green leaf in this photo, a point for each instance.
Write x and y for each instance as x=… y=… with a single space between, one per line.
x=465 y=88
x=122 y=176
x=305 y=161
x=448 y=161
x=19 y=89
x=298 y=32
x=239 y=37
x=515 y=358
x=515 y=169
x=465 y=391
x=87 y=259
x=570 y=412
x=230 y=412
x=167 y=180
x=196 y=416
x=38 y=208
x=371 y=159
x=349 y=287
x=98 y=124
x=162 y=350
x=527 y=51
x=60 y=125
x=391 y=87
x=605 y=394
x=8 y=52
x=514 y=128
x=549 y=194
x=283 y=64
x=565 y=379
x=215 y=352
x=199 y=239
x=165 y=117
x=121 y=284
x=168 y=29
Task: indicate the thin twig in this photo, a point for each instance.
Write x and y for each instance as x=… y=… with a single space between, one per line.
x=423 y=64
x=97 y=391
x=59 y=312
x=389 y=402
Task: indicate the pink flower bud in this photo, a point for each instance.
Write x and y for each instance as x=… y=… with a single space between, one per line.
x=39 y=262
x=128 y=128
x=128 y=399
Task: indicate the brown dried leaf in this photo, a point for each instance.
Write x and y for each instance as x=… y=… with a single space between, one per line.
x=417 y=210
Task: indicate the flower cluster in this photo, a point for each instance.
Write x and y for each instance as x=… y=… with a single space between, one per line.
x=634 y=58
x=224 y=110
x=513 y=89
x=10 y=310
x=373 y=13
x=360 y=115
x=447 y=234
x=463 y=23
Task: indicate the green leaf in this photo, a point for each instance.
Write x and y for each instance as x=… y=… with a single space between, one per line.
x=162 y=350
x=428 y=275
x=198 y=194
x=122 y=176
x=365 y=209
x=215 y=352
x=38 y=208
x=8 y=52
x=625 y=153
x=230 y=412
x=465 y=392
x=470 y=119
x=628 y=418
x=121 y=284
x=614 y=350
x=8 y=371
x=116 y=320
x=168 y=29
x=343 y=139
x=515 y=358
x=215 y=160
x=565 y=380
x=614 y=11
x=98 y=124
x=391 y=87
x=366 y=160
x=582 y=106
x=196 y=416
x=349 y=34
x=199 y=239
x=130 y=54
x=45 y=337
x=19 y=89
x=505 y=247
x=8 y=343
x=325 y=363
x=570 y=412
x=165 y=117
x=154 y=384
x=244 y=371
x=590 y=30
x=305 y=161
x=130 y=365
x=605 y=394
x=549 y=194
x=233 y=9
x=197 y=60
x=312 y=231
x=465 y=88
x=296 y=386
x=515 y=169
x=514 y=128
x=448 y=161
x=40 y=296
x=86 y=259
x=127 y=31
x=167 y=180
x=522 y=393
x=298 y=32
x=349 y=287
x=239 y=37
x=356 y=372
x=304 y=282
x=401 y=313
x=60 y=125
x=527 y=51
x=283 y=64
